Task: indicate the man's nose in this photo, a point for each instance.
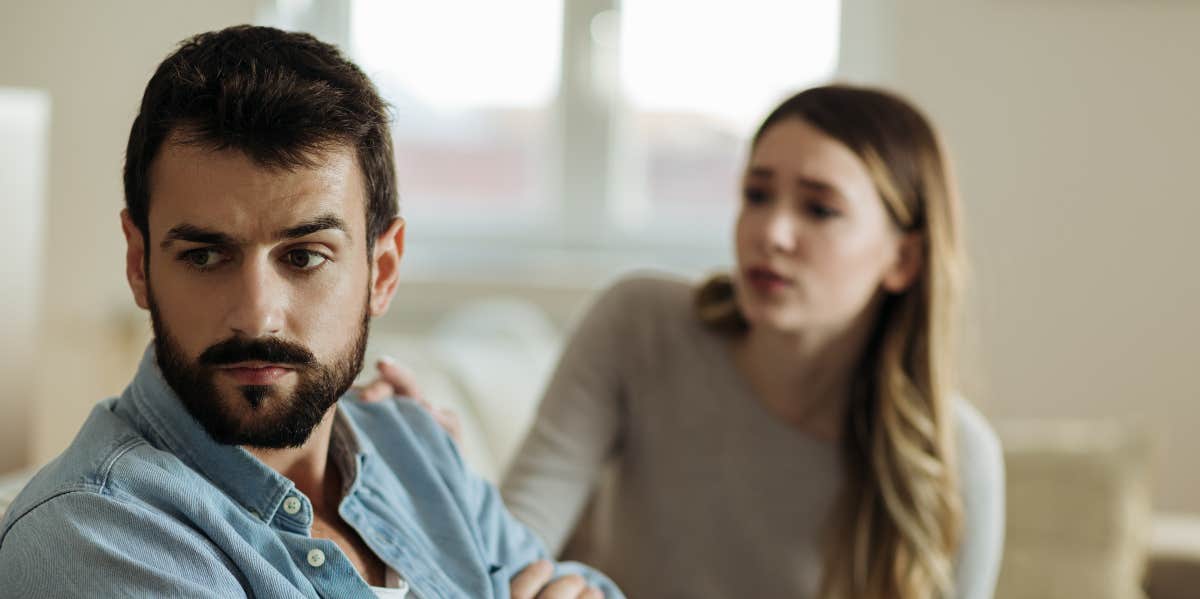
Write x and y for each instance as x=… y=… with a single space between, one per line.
x=259 y=299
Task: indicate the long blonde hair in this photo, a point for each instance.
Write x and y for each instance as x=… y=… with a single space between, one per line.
x=899 y=521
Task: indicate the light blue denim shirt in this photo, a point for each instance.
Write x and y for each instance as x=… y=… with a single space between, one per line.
x=145 y=504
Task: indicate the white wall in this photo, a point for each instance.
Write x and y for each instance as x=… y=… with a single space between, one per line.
x=1075 y=126
x=93 y=59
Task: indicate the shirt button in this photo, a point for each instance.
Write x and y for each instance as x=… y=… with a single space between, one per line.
x=291 y=505
x=316 y=558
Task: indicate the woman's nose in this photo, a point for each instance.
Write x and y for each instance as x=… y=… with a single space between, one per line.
x=780 y=230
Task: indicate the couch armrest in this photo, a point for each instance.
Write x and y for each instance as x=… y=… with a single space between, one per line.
x=1173 y=571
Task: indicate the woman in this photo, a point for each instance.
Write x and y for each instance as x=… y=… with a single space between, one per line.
x=789 y=429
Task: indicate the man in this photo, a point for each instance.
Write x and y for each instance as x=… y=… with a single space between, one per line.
x=262 y=235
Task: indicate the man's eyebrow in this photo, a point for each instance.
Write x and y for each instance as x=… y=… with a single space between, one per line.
x=195 y=234
x=320 y=223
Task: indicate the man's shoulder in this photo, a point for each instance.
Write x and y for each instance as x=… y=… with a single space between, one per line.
x=108 y=456
x=413 y=456
x=83 y=466
x=87 y=541
x=400 y=428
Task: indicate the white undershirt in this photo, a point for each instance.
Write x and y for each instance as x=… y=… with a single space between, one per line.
x=396 y=587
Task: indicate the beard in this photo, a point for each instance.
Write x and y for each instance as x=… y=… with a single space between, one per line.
x=285 y=421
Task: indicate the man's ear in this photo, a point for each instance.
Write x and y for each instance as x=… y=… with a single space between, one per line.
x=910 y=259
x=385 y=271
x=135 y=261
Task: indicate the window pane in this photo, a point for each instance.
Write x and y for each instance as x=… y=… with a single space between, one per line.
x=472 y=83
x=697 y=78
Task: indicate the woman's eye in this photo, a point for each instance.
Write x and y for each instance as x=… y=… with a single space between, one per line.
x=202 y=258
x=755 y=196
x=821 y=211
x=304 y=259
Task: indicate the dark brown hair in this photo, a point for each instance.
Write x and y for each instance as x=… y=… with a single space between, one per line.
x=899 y=522
x=280 y=97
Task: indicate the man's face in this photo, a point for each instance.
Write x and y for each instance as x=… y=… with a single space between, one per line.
x=259 y=286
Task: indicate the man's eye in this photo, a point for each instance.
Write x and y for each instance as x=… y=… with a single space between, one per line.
x=202 y=258
x=304 y=259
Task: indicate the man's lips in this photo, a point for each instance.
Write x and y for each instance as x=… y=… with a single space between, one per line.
x=255 y=373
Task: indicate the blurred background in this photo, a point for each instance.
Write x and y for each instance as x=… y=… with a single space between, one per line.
x=545 y=147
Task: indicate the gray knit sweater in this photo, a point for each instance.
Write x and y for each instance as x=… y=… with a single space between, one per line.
x=691 y=488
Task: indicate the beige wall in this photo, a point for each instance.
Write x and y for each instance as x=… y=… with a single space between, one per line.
x=1076 y=131
x=93 y=59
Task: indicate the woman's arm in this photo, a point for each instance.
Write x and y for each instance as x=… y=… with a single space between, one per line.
x=577 y=426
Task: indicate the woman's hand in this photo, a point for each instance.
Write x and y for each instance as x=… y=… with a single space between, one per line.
x=394 y=379
x=534 y=583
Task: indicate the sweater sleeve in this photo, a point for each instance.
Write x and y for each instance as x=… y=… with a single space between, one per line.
x=577 y=426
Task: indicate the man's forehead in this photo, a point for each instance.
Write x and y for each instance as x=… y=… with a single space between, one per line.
x=225 y=190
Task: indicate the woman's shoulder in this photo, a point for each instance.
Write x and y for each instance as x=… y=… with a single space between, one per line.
x=647 y=296
x=980 y=462
x=650 y=312
x=978 y=445
x=982 y=483
x=650 y=286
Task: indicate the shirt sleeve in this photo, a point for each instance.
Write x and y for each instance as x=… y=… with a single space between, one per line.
x=83 y=544
x=577 y=426
x=981 y=464
x=503 y=542
x=511 y=543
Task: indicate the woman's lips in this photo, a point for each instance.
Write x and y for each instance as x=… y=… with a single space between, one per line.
x=767 y=281
x=255 y=375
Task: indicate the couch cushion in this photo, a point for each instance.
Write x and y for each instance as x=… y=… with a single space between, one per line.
x=1078 y=510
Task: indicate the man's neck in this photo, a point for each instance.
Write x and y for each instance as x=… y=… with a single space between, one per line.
x=308 y=465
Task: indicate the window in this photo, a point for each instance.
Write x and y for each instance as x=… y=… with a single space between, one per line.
x=544 y=130
x=473 y=85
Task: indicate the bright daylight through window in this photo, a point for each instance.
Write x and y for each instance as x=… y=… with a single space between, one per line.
x=586 y=124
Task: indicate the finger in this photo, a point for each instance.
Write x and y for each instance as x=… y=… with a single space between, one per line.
x=425 y=405
x=399 y=377
x=592 y=593
x=377 y=391
x=532 y=578
x=449 y=421
x=567 y=587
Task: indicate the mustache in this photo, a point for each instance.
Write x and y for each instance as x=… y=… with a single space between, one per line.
x=240 y=349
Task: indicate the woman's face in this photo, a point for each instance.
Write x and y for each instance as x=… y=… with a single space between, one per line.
x=815 y=244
